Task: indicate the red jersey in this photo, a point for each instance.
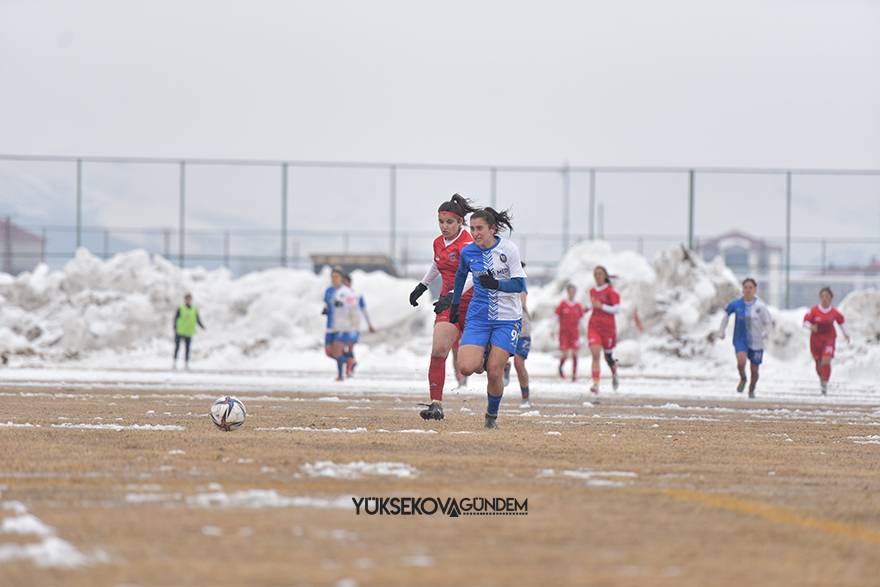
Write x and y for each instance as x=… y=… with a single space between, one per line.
x=570 y=314
x=608 y=296
x=447 y=257
x=824 y=320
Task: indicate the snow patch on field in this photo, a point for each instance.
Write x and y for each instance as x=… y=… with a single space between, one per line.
x=49 y=551
x=304 y=429
x=15 y=425
x=592 y=477
x=120 y=427
x=264 y=498
x=358 y=469
x=874 y=439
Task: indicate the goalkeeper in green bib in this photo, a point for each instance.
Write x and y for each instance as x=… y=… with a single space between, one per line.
x=185 y=321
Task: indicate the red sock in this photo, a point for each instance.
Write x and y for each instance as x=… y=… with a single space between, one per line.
x=574 y=366
x=825 y=372
x=596 y=375
x=436 y=378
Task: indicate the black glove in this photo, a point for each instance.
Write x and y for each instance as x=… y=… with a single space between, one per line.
x=442 y=303
x=417 y=293
x=488 y=281
x=453 y=314
x=337 y=303
x=324 y=311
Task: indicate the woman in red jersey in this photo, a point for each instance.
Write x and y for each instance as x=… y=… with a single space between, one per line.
x=447 y=252
x=602 y=330
x=820 y=320
x=570 y=313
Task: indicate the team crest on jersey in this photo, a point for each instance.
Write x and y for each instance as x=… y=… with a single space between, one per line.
x=503 y=257
x=452 y=256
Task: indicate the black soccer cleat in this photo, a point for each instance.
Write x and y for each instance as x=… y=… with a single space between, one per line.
x=741 y=386
x=434 y=411
x=752 y=393
x=491 y=421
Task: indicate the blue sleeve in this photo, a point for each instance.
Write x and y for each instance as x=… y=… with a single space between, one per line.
x=513 y=285
x=731 y=308
x=460 y=277
x=362 y=303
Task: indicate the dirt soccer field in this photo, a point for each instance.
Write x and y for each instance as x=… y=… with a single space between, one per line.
x=114 y=485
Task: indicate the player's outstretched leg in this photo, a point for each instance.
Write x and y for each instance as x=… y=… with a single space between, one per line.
x=741 y=368
x=498 y=357
x=519 y=362
x=595 y=350
x=753 y=382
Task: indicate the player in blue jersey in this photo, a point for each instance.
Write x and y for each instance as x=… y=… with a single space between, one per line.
x=752 y=327
x=355 y=335
x=337 y=330
x=494 y=316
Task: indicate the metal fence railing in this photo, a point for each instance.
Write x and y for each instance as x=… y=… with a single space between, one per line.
x=822 y=222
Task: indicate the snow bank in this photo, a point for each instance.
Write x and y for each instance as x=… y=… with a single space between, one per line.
x=129 y=301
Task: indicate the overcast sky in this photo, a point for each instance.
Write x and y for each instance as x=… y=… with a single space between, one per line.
x=746 y=83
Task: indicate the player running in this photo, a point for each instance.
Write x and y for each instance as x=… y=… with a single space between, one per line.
x=447 y=254
x=355 y=335
x=338 y=309
x=570 y=314
x=494 y=315
x=752 y=327
x=820 y=320
x=523 y=346
x=185 y=321
x=602 y=328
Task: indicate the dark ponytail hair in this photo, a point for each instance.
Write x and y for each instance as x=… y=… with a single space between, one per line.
x=828 y=289
x=501 y=220
x=458 y=205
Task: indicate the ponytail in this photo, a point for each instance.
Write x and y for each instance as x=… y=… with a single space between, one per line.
x=458 y=205
x=501 y=220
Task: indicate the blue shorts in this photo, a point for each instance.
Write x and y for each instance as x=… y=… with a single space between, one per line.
x=343 y=337
x=756 y=356
x=523 y=346
x=501 y=333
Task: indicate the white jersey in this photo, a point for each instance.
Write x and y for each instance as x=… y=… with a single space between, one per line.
x=502 y=261
x=346 y=310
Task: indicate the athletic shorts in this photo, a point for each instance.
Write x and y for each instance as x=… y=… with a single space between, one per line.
x=501 y=333
x=330 y=338
x=821 y=346
x=523 y=346
x=604 y=336
x=569 y=341
x=343 y=337
x=756 y=356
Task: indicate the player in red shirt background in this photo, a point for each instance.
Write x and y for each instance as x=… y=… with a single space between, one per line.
x=820 y=320
x=447 y=253
x=602 y=330
x=570 y=314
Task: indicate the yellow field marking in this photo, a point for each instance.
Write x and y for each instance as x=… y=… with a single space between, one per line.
x=775 y=514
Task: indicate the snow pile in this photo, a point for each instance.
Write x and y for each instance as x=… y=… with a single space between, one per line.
x=129 y=302
x=676 y=298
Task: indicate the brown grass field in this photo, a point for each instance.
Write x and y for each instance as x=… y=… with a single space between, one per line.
x=631 y=491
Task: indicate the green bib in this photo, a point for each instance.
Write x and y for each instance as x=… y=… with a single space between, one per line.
x=186 y=322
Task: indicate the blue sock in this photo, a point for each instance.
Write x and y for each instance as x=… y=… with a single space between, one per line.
x=340 y=365
x=493 y=402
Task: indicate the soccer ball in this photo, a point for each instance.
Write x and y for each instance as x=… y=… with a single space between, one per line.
x=228 y=413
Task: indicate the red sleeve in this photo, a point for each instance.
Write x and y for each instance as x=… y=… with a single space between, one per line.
x=615 y=297
x=559 y=309
x=808 y=317
x=580 y=311
x=839 y=317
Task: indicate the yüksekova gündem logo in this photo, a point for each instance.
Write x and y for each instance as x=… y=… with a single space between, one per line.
x=440 y=506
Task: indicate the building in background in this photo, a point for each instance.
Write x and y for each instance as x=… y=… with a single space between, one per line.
x=20 y=250
x=748 y=256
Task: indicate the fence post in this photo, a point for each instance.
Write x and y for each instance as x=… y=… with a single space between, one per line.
x=284 y=214
x=43 y=245
x=106 y=244
x=392 y=195
x=787 y=239
x=601 y=215
x=227 y=247
x=345 y=242
x=824 y=257
x=566 y=207
x=691 y=198
x=493 y=187
x=78 y=203
x=592 y=205
x=181 y=246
